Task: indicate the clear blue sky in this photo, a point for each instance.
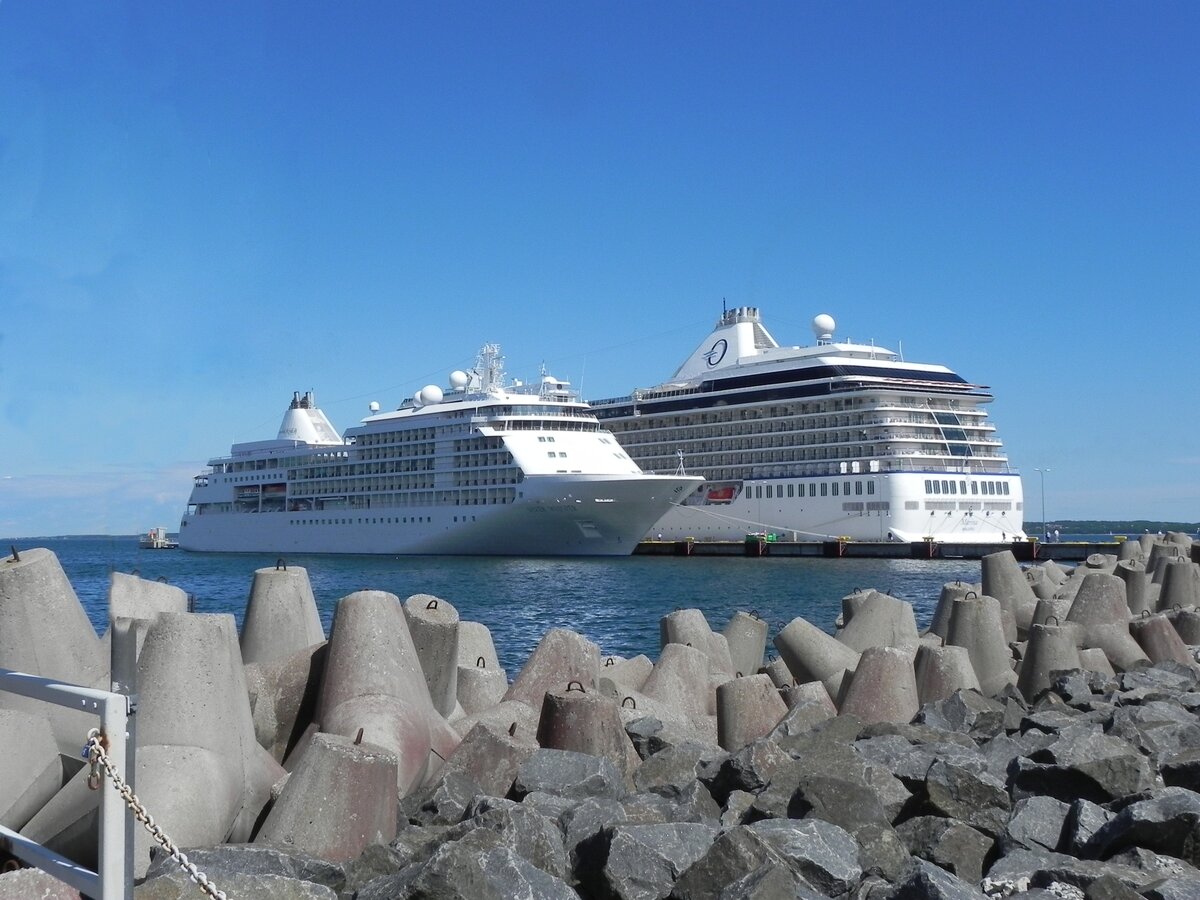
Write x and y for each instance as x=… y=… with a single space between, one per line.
x=207 y=206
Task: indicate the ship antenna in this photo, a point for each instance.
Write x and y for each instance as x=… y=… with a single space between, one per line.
x=679 y=469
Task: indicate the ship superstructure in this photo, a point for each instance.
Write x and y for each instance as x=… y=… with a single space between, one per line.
x=481 y=467
x=837 y=439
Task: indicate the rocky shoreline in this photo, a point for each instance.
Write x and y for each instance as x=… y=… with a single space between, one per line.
x=1040 y=739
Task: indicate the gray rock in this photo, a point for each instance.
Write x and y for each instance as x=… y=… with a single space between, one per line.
x=581 y=827
x=644 y=861
x=824 y=855
x=770 y=881
x=1084 y=762
x=1182 y=770
x=954 y=846
x=463 y=870
x=969 y=794
x=925 y=881
x=844 y=803
x=1036 y=823
x=1177 y=887
x=527 y=832
x=222 y=864
x=735 y=854
x=750 y=769
x=669 y=770
x=568 y=774
x=180 y=887
x=1084 y=819
x=443 y=803
x=881 y=852
x=964 y=712
x=1168 y=822
x=377 y=861
x=1041 y=868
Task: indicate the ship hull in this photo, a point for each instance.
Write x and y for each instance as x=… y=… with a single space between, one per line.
x=552 y=516
x=902 y=511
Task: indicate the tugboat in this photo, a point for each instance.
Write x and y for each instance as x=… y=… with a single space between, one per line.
x=157 y=539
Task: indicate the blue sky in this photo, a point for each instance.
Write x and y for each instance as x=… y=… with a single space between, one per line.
x=204 y=207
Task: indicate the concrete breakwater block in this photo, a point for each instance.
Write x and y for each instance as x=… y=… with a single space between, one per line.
x=976 y=624
x=281 y=615
x=1159 y=639
x=883 y=687
x=33 y=771
x=133 y=597
x=680 y=680
x=940 y=671
x=194 y=717
x=474 y=644
x=1180 y=587
x=433 y=624
x=479 y=688
x=1187 y=623
x=44 y=631
x=951 y=591
x=630 y=673
x=339 y=800
x=812 y=655
x=1137 y=580
x=1004 y=580
x=490 y=756
x=283 y=698
x=586 y=722
x=877 y=620
x=746 y=636
x=374 y=682
x=691 y=628
x=561 y=656
x=747 y=709
x=1051 y=648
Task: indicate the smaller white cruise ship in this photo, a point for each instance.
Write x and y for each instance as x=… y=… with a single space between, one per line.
x=833 y=440
x=482 y=467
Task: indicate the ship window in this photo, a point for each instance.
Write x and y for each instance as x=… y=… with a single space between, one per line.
x=928 y=486
x=835 y=489
x=870 y=487
x=791 y=490
x=812 y=489
x=769 y=491
x=962 y=486
x=824 y=489
x=847 y=488
x=945 y=486
x=974 y=487
x=1004 y=484
x=550 y=454
x=954 y=487
x=937 y=487
x=858 y=487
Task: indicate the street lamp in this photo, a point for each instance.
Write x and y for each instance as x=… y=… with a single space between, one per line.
x=1042 y=473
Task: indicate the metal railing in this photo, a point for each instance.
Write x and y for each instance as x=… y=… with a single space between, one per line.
x=114 y=878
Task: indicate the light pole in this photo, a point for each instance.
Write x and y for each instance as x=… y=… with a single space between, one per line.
x=1042 y=473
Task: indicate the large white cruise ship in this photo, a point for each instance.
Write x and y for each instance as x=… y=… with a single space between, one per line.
x=483 y=467
x=819 y=443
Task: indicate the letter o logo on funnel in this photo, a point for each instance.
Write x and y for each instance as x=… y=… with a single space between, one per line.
x=717 y=352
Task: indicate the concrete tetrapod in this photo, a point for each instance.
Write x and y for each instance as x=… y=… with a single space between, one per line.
x=1136 y=579
x=975 y=623
x=746 y=635
x=133 y=597
x=586 y=722
x=883 y=687
x=747 y=709
x=1051 y=648
x=879 y=620
x=340 y=799
x=45 y=631
x=433 y=624
x=1004 y=580
x=1158 y=637
x=374 y=682
x=940 y=671
x=1179 y=589
x=560 y=657
x=680 y=680
x=200 y=771
x=1187 y=623
x=812 y=655
x=33 y=771
x=951 y=591
x=281 y=615
x=1101 y=610
x=475 y=642
x=690 y=627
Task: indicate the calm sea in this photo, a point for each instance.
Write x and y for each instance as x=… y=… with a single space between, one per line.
x=615 y=602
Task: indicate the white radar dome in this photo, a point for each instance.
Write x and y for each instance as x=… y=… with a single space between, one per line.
x=823 y=326
x=373 y=406
x=417 y=401
x=459 y=379
x=431 y=393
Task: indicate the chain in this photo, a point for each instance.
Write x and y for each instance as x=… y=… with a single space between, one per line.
x=97 y=757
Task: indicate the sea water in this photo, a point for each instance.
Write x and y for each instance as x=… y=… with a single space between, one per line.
x=615 y=602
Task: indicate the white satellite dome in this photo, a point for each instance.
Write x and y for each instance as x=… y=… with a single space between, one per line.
x=417 y=401
x=373 y=406
x=823 y=327
x=459 y=379
x=430 y=394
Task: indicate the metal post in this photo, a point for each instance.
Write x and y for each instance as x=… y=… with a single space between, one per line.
x=1042 y=473
x=124 y=681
